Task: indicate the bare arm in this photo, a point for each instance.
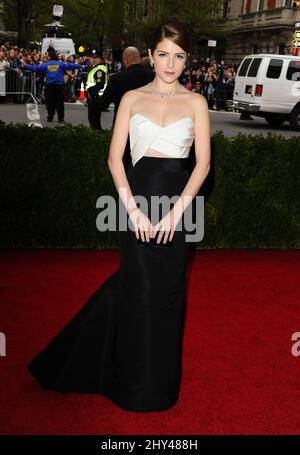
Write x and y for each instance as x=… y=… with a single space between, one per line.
x=116 y=152
x=203 y=153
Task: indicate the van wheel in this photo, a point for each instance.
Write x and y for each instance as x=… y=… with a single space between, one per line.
x=275 y=120
x=295 y=118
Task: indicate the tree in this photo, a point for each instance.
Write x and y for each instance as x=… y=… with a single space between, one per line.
x=20 y=15
x=116 y=22
x=203 y=19
x=95 y=21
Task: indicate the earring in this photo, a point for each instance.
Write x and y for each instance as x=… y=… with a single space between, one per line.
x=152 y=64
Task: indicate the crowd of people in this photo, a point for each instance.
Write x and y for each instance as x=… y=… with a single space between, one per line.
x=12 y=60
x=213 y=79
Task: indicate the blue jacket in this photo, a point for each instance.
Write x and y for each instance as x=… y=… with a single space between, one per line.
x=54 y=70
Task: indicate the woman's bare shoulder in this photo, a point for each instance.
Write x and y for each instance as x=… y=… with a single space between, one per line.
x=137 y=91
x=185 y=91
x=143 y=88
x=131 y=96
x=198 y=100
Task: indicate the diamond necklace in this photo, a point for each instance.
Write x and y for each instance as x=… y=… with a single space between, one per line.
x=166 y=94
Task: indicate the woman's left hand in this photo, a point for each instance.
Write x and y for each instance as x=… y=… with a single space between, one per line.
x=166 y=227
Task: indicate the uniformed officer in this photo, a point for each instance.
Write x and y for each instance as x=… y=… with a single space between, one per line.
x=54 y=87
x=96 y=83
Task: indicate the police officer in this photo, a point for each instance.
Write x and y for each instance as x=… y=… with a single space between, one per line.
x=97 y=80
x=54 y=87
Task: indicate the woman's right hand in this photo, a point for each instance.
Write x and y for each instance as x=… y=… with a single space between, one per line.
x=142 y=225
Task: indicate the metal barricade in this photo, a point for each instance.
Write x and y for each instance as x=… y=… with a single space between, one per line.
x=22 y=84
x=25 y=83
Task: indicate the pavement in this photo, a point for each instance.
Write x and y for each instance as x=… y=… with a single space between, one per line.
x=77 y=114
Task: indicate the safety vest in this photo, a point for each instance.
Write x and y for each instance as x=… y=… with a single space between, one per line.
x=91 y=81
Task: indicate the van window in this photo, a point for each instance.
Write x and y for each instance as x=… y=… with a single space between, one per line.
x=293 y=71
x=244 y=67
x=274 y=68
x=254 y=67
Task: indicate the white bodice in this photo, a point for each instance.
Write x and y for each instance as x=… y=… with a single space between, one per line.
x=173 y=140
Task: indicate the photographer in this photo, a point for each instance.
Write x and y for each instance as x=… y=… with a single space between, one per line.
x=221 y=87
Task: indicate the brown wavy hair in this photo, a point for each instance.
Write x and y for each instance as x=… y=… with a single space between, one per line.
x=174 y=31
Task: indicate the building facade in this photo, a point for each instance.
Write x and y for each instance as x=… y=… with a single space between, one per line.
x=259 y=26
x=139 y=12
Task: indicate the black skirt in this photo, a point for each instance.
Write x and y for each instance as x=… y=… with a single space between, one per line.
x=126 y=341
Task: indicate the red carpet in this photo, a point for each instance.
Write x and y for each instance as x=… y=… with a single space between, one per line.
x=239 y=374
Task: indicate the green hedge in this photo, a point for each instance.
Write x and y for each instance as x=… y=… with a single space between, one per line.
x=52 y=177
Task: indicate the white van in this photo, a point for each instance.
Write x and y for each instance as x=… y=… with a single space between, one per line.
x=63 y=46
x=268 y=85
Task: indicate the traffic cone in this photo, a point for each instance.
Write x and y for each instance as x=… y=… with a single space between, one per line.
x=82 y=94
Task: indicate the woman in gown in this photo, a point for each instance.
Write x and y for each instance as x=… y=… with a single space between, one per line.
x=126 y=341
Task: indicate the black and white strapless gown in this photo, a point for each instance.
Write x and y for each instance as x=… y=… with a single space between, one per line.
x=125 y=343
